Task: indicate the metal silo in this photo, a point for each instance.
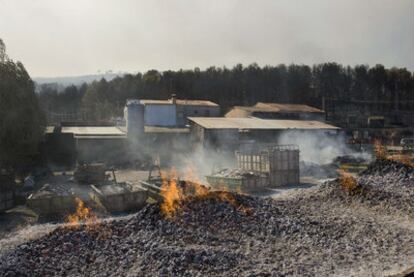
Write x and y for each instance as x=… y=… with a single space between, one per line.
x=134 y=117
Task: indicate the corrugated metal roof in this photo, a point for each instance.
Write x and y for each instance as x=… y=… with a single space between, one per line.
x=257 y=123
x=180 y=102
x=93 y=130
x=287 y=108
x=245 y=111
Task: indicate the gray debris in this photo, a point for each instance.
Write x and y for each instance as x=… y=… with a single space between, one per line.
x=318 y=234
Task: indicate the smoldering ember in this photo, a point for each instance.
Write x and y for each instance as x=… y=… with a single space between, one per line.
x=238 y=170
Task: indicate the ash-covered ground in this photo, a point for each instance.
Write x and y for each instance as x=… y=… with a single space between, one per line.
x=323 y=231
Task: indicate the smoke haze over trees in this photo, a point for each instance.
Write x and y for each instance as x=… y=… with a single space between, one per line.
x=240 y=85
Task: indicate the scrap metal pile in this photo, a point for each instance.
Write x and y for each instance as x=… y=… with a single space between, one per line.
x=226 y=234
x=239 y=180
x=236 y=173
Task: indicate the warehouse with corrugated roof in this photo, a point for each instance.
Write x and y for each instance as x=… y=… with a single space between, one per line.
x=219 y=131
x=278 y=111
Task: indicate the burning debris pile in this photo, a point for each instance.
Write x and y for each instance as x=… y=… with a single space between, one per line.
x=324 y=171
x=216 y=233
x=386 y=186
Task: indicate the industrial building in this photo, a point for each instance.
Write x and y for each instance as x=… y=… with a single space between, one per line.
x=166 y=113
x=67 y=144
x=278 y=111
x=365 y=121
x=230 y=132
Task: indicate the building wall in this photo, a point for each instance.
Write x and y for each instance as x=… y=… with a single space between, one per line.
x=196 y=133
x=221 y=137
x=184 y=111
x=134 y=118
x=60 y=149
x=176 y=115
x=160 y=115
x=106 y=150
x=290 y=116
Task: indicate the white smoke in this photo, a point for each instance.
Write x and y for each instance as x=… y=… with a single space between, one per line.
x=320 y=148
x=204 y=161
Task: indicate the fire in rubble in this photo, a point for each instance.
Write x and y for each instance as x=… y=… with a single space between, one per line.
x=380 y=150
x=176 y=192
x=349 y=183
x=82 y=215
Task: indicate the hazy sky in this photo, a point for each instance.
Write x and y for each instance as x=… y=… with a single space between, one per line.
x=74 y=37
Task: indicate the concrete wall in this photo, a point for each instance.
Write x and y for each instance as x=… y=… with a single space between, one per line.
x=176 y=115
x=160 y=115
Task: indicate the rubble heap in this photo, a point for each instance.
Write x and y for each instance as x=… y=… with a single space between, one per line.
x=222 y=234
x=236 y=173
x=386 y=166
x=324 y=171
x=386 y=186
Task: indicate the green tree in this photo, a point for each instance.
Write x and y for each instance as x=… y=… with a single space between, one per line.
x=21 y=120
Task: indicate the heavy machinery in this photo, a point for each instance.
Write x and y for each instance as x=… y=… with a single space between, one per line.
x=92 y=185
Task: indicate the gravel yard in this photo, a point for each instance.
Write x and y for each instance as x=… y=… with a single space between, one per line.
x=320 y=231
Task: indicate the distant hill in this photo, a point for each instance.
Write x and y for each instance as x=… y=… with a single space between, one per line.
x=75 y=80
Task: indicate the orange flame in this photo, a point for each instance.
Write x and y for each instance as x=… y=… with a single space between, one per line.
x=170 y=192
x=380 y=150
x=173 y=194
x=82 y=214
x=349 y=183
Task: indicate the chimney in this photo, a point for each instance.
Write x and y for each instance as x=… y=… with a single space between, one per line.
x=174 y=98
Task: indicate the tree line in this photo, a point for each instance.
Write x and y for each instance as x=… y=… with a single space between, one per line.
x=240 y=85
